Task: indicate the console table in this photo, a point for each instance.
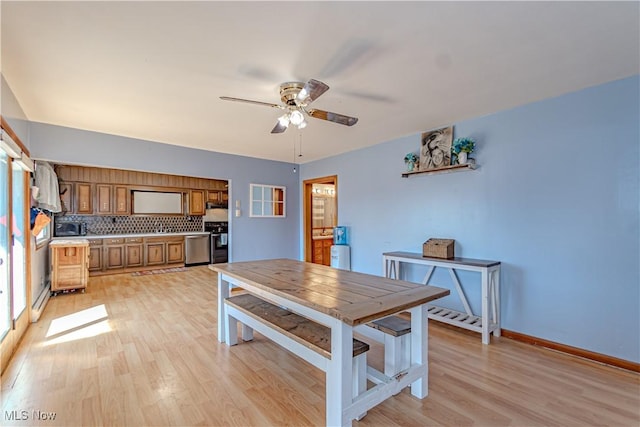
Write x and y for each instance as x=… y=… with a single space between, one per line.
x=489 y=320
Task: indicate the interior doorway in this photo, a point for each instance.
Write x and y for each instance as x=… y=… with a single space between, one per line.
x=320 y=216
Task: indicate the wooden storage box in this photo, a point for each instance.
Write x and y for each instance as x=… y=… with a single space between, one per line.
x=438 y=248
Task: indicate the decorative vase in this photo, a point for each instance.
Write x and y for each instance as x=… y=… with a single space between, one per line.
x=462 y=158
x=410 y=166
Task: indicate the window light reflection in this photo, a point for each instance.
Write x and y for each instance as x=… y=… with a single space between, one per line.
x=82 y=324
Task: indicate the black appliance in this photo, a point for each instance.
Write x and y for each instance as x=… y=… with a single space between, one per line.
x=219 y=240
x=69 y=228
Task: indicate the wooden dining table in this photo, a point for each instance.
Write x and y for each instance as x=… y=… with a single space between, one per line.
x=341 y=300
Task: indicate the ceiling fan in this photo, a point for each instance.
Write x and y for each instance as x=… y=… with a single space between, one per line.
x=296 y=96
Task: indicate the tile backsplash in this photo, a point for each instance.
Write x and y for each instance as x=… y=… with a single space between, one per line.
x=105 y=225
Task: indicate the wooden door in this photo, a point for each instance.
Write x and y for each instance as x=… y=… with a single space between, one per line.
x=95 y=258
x=114 y=257
x=175 y=252
x=133 y=255
x=103 y=196
x=83 y=202
x=66 y=197
x=155 y=253
x=122 y=205
x=196 y=202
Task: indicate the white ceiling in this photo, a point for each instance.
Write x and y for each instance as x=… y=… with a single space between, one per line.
x=156 y=70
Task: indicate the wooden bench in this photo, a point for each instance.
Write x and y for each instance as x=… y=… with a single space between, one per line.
x=302 y=336
x=395 y=333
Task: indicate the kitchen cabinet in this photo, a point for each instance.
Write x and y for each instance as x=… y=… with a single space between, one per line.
x=103 y=196
x=114 y=254
x=69 y=264
x=122 y=200
x=133 y=252
x=95 y=255
x=154 y=250
x=66 y=196
x=175 y=250
x=112 y=199
x=83 y=198
x=196 y=202
x=119 y=254
x=218 y=197
x=164 y=250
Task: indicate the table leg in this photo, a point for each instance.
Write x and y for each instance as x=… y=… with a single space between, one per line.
x=420 y=349
x=223 y=292
x=496 y=299
x=485 y=307
x=339 y=374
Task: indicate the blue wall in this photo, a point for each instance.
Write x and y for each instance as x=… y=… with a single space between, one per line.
x=251 y=238
x=555 y=198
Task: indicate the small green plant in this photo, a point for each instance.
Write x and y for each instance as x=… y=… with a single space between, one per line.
x=411 y=158
x=463 y=145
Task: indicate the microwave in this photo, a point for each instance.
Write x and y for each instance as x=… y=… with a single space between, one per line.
x=69 y=228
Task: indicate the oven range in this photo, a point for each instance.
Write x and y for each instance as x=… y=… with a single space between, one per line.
x=218 y=240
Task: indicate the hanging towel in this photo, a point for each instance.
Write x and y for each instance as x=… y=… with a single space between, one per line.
x=223 y=239
x=47 y=181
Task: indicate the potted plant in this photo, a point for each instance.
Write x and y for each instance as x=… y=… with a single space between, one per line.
x=411 y=159
x=462 y=147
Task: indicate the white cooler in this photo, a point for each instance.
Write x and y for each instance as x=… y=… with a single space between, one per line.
x=341 y=257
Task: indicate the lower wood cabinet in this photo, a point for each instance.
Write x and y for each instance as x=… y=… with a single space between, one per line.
x=321 y=251
x=95 y=255
x=119 y=255
x=113 y=254
x=175 y=251
x=133 y=252
x=155 y=253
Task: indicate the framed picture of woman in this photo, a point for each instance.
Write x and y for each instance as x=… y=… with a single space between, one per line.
x=435 y=148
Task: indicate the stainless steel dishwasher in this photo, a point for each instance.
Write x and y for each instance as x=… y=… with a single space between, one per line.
x=196 y=249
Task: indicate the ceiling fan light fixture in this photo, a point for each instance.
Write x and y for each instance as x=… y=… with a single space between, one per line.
x=284 y=120
x=303 y=124
x=296 y=117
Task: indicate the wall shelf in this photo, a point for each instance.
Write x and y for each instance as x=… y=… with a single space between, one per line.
x=444 y=169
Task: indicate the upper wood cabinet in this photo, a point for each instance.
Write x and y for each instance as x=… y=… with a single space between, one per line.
x=112 y=199
x=83 y=199
x=103 y=198
x=66 y=196
x=103 y=191
x=122 y=200
x=196 y=202
x=218 y=197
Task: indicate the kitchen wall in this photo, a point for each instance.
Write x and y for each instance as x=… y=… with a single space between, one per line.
x=555 y=198
x=13 y=113
x=251 y=238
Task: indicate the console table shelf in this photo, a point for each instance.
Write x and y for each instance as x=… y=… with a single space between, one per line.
x=488 y=321
x=444 y=169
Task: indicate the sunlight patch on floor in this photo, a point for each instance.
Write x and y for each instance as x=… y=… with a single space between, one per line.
x=82 y=324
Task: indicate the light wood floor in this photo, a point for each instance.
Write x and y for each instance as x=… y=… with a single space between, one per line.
x=143 y=351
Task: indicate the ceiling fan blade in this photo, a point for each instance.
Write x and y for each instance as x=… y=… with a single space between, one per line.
x=311 y=91
x=266 y=104
x=278 y=128
x=333 y=117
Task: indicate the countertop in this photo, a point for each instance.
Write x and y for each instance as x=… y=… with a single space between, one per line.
x=64 y=241
x=321 y=237
x=116 y=236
